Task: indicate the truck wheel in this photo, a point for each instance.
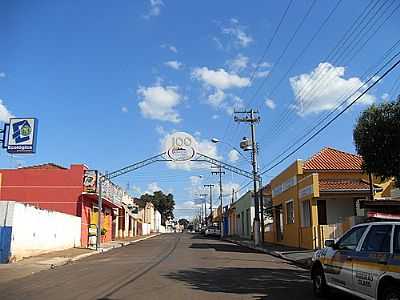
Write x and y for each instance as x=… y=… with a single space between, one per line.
x=391 y=293
x=319 y=283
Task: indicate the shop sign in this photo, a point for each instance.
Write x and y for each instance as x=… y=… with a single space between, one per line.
x=181 y=147
x=90 y=181
x=21 y=136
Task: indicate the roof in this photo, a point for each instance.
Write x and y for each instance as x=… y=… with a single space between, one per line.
x=342 y=185
x=332 y=159
x=45 y=166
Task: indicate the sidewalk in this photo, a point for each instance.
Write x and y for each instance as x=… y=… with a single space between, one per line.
x=298 y=256
x=55 y=259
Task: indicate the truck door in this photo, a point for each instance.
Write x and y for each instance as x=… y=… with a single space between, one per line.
x=372 y=260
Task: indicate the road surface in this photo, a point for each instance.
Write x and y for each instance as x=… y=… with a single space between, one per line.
x=172 y=267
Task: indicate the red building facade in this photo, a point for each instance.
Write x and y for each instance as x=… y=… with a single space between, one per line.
x=56 y=188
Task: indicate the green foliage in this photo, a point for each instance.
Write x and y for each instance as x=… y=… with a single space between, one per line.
x=377 y=140
x=163 y=203
x=183 y=222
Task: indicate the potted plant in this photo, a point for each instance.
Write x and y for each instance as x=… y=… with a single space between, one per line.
x=103 y=234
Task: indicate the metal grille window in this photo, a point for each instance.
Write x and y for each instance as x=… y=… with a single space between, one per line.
x=289 y=212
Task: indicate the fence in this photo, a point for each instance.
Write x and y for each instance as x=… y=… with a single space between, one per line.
x=321 y=233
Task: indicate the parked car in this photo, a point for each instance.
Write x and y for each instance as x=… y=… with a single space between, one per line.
x=212 y=231
x=364 y=262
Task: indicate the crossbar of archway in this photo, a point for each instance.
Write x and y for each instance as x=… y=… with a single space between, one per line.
x=159 y=158
x=163 y=157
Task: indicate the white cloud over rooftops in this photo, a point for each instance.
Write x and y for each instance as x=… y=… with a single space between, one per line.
x=324 y=88
x=160 y=102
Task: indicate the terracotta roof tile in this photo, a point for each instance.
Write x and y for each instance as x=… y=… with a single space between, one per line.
x=332 y=159
x=342 y=185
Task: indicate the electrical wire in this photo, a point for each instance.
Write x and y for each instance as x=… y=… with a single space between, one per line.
x=374 y=83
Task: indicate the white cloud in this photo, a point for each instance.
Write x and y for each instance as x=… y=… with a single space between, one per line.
x=124 y=109
x=263 y=64
x=155 y=8
x=233 y=155
x=2 y=75
x=262 y=74
x=153 y=187
x=239 y=63
x=5 y=114
x=159 y=103
x=237 y=31
x=270 y=103
x=314 y=97
x=171 y=48
x=217 y=98
x=220 y=78
x=385 y=97
x=173 y=64
x=137 y=191
x=218 y=42
x=160 y=130
x=215 y=117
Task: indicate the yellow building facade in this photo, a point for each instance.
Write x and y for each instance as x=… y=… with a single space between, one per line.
x=318 y=199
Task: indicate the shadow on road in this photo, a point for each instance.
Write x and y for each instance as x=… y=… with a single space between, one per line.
x=268 y=284
x=222 y=247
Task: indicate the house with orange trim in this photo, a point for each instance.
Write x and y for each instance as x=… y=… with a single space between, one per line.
x=318 y=199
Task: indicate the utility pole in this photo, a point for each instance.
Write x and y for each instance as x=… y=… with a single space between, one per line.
x=233 y=196
x=220 y=172
x=205 y=207
x=211 y=187
x=249 y=117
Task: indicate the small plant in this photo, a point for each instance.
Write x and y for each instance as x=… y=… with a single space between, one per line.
x=103 y=231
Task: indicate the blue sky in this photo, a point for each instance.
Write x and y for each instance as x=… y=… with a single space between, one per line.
x=109 y=81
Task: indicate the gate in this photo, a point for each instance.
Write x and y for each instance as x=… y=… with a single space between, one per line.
x=5 y=243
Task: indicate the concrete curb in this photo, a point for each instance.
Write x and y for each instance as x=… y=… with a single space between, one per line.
x=81 y=256
x=301 y=263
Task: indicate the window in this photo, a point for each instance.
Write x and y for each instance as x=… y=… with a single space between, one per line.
x=396 y=240
x=378 y=239
x=289 y=212
x=350 y=240
x=306 y=215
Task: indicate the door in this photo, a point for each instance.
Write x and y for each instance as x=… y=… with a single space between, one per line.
x=321 y=206
x=5 y=243
x=279 y=223
x=372 y=259
x=339 y=268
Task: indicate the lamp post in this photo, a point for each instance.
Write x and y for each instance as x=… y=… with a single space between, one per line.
x=216 y=141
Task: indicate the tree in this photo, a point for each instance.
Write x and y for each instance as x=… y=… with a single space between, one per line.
x=183 y=222
x=377 y=140
x=163 y=203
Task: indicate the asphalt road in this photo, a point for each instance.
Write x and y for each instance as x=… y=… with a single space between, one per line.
x=172 y=267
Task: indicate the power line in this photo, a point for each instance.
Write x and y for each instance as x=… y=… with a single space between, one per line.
x=260 y=61
x=324 y=80
x=338 y=115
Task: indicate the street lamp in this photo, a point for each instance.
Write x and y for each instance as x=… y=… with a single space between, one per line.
x=216 y=141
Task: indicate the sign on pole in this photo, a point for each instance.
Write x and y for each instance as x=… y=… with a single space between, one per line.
x=21 y=136
x=90 y=181
x=181 y=147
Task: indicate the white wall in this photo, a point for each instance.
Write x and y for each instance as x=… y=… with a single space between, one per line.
x=36 y=231
x=157 y=221
x=146 y=228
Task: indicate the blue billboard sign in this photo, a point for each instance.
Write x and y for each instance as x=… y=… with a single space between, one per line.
x=21 y=136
